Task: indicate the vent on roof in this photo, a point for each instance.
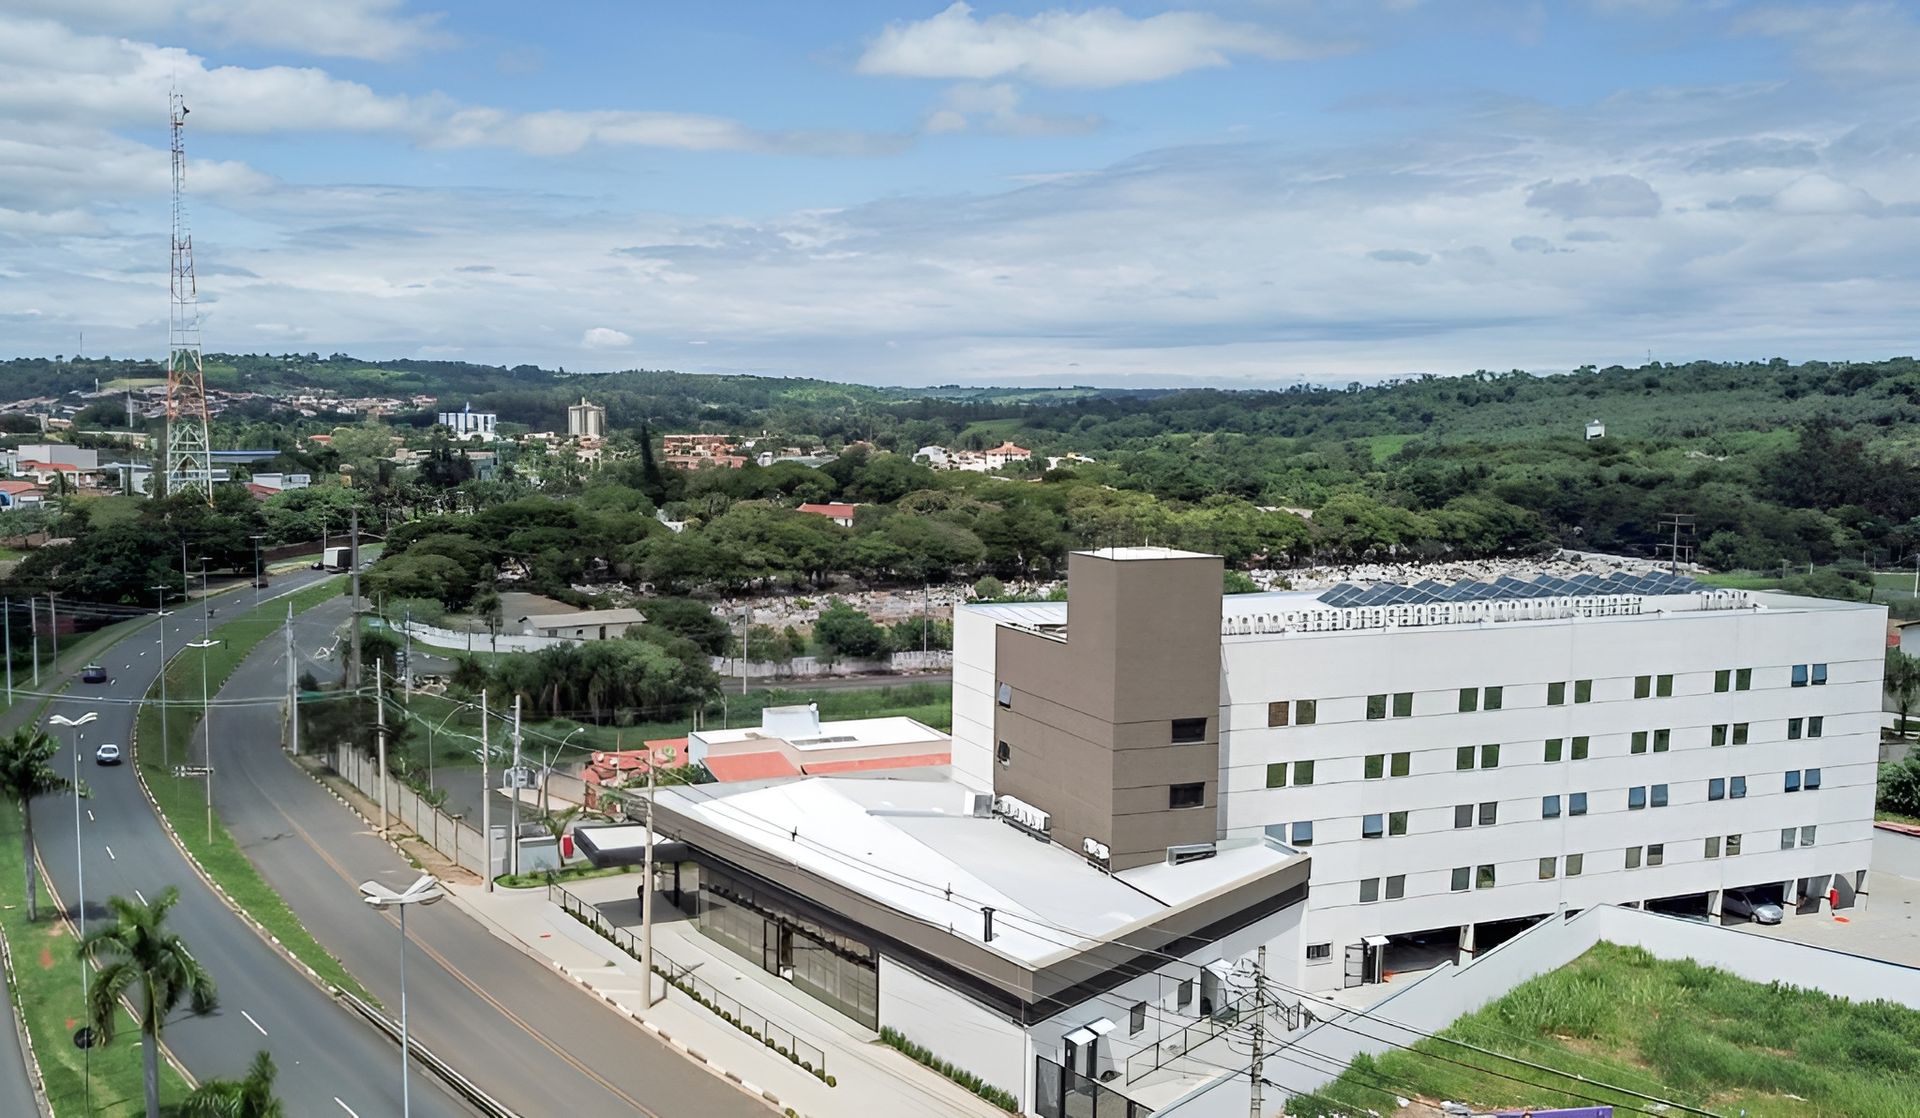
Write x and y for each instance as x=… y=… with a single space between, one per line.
x=1023 y=814
x=981 y=805
x=1182 y=853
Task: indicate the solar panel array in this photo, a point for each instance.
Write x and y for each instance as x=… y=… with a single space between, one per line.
x=1508 y=587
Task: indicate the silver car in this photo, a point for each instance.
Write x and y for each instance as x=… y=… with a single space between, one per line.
x=1760 y=912
x=107 y=754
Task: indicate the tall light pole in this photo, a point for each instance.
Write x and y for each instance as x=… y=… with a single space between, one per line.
x=160 y=612
x=423 y=891
x=205 y=642
x=256 y=567
x=546 y=766
x=80 y=873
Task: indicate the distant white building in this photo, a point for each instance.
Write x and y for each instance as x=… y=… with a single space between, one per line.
x=586 y=421
x=1596 y=430
x=469 y=424
x=935 y=456
x=587 y=625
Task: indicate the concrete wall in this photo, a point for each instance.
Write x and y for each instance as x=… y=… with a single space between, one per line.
x=809 y=667
x=454 y=838
x=460 y=640
x=960 y=1030
x=1895 y=853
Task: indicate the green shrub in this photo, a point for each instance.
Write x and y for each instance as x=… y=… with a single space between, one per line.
x=893 y=1038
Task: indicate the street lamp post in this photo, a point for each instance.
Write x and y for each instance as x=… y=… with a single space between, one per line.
x=160 y=612
x=256 y=567
x=423 y=891
x=546 y=767
x=80 y=874
x=206 y=707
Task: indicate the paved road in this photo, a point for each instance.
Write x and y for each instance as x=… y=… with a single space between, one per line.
x=528 y=1037
x=331 y=1063
x=16 y=1085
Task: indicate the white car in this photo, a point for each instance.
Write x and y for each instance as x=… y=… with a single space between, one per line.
x=107 y=754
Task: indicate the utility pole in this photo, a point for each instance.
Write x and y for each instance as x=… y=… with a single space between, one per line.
x=6 y=611
x=353 y=565
x=1254 y=1073
x=409 y=655
x=746 y=622
x=486 y=792
x=513 y=826
x=380 y=720
x=160 y=612
x=926 y=607
x=53 y=623
x=646 y=892
x=33 y=634
x=293 y=690
x=206 y=708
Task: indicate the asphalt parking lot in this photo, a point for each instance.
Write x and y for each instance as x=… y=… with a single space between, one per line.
x=1886 y=927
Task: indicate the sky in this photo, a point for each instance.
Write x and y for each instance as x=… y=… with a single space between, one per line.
x=1250 y=193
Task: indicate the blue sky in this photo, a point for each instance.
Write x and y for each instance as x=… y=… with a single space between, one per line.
x=1259 y=192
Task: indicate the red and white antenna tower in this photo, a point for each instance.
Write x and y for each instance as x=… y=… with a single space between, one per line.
x=188 y=465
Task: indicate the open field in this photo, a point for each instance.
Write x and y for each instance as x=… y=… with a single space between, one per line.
x=1676 y=1031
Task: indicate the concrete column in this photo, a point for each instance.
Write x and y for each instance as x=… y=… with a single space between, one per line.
x=1790 y=896
x=1466 y=944
x=1713 y=905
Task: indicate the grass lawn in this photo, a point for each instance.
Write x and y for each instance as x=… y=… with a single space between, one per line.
x=1383 y=447
x=570 y=873
x=1674 y=1030
x=1741 y=580
x=47 y=996
x=183 y=800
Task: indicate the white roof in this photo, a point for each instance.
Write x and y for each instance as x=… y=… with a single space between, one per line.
x=916 y=847
x=892 y=730
x=586 y=617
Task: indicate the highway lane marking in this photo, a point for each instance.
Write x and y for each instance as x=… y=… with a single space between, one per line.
x=345 y=1107
x=252 y=1022
x=141 y=897
x=110 y=856
x=89 y=815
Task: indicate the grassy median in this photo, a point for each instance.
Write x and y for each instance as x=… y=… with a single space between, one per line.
x=183 y=799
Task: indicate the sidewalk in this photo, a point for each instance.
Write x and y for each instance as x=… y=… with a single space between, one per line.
x=872 y=1079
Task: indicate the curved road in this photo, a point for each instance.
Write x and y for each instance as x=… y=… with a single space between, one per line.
x=330 y=1062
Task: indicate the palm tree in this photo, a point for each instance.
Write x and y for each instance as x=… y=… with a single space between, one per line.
x=137 y=952
x=251 y=1097
x=26 y=774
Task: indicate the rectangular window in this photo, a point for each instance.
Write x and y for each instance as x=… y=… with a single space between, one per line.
x=1576 y=863
x=1662 y=740
x=1489 y=813
x=1719 y=734
x=1736 y=788
x=1819 y=675
x=1642 y=686
x=1663 y=686
x=1469 y=699
x=1462 y=816
x=1373 y=826
x=1580 y=748
x=1004 y=696
x=1189 y=731
x=1554 y=746
x=1739 y=733
x=1799 y=675
x=1637 y=797
x=1639 y=742
x=1306 y=712
x=1549 y=807
x=1463 y=757
x=1806 y=835
x=1369 y=890
x=1656 y=853
x=1717 y=788
x=1793 y=780
x=1583 y=690
x=1576 y=803
x=1733 y=845
x=1810 y=779
x=1493 y=699
x=1402 y=704
x=1277 y=712
x=1633 y=857
x=1743 y=679
x=1547 y=868
x=1376 y=707
x=1187 y=795
x=1815 y=725
x=1136 y=1018
x=1556 y=694
x=1713 y=846
x=1490 y=756
x=1402 y=764
x=1302 y=773
x=1794 y=726
x=1462 y=875
x=1302 y=834
x=1396 y=886
x=1657 y=795
x=1375 y=766
x=1787 y=837
x=1277 y=774
x=1396 y=823
x=1319 y=952
x=1483 y=877
x=1723 y=679
x=1184 y=998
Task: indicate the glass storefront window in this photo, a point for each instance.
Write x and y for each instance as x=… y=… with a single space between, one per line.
x=833 y=968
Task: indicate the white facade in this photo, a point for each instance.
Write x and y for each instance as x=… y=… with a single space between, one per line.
x=1672 y=648
x=586 y=421
x=470 y=424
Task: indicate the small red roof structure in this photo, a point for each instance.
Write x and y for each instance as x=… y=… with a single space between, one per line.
x=751 y=766
x=832 y=511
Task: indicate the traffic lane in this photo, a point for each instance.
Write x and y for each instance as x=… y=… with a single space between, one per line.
x=505 y=1030
x=16 y=1083
x=326 y=1056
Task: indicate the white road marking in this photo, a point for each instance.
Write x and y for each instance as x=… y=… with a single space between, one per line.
x=252 y=1022
x=110 y=854
x=139 y=896
x=345 y=1107
x=89 y=815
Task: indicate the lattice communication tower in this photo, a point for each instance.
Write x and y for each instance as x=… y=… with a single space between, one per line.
x=187 y=465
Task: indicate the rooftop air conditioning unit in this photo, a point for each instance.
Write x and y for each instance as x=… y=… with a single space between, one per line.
x=1024 y=814
x=1096 y=850
x=1182 y=853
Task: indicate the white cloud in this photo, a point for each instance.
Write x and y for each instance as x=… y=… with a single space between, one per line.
x=1600 y=196
x=1818 y=194
x=371 y=29
x=604 y=337
x=1095 y=48
x=996 y=108
x=1849 y=42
